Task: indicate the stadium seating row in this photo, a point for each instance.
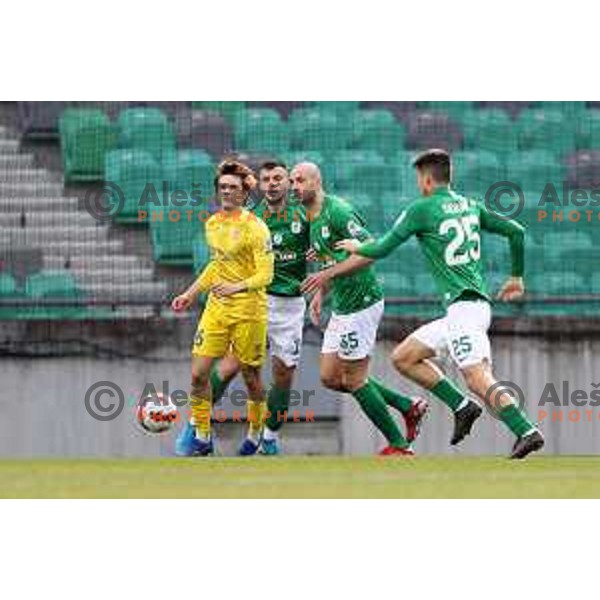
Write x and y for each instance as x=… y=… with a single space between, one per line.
x=86 y=135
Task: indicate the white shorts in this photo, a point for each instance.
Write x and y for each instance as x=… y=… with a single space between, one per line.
x=462 y=333
x=284 y=332
x=353 y=336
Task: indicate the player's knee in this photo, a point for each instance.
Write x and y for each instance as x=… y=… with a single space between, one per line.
x=199 y=382
x=282 y=374
x=476 y=379
x=252 y=380
x=331 y=381
x=228 y=368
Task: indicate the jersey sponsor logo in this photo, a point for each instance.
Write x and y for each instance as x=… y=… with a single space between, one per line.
x=325 y=232
x=277 y=239
x=354 y=229
x=296 y=227
x=283 y=256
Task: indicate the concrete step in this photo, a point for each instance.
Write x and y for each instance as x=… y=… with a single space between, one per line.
x=15 y=160
x=23 y=189
x=38 y=204
x=37 y=176
x=35 y=236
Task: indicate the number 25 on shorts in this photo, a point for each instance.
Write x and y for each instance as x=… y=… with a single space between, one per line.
x=462 y=346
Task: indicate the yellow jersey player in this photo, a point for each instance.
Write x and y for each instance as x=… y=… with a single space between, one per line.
x=235 y=317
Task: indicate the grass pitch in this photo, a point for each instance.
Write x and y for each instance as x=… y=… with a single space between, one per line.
x=303 y=477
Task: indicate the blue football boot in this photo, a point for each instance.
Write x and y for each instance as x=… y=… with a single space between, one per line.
x=270 y=448
x=187 y=444
x=249 y=447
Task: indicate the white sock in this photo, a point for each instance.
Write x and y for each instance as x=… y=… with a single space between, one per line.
x=270 y=435
x=464 y=403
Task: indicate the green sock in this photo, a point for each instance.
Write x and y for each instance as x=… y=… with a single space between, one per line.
x=515 y=420
x=391 y=397
x=278 y=401
x=448 y=393
x=217 y=385
x=373 y=405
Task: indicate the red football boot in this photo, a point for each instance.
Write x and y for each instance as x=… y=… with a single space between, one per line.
x=392 y=451
x=414 y=418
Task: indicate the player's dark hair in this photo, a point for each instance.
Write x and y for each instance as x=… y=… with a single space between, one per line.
x=437 y=163
x=269 y=165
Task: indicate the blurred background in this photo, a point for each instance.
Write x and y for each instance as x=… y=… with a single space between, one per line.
x=85 y=299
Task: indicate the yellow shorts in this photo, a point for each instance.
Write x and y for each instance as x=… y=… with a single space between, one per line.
x=217 y=336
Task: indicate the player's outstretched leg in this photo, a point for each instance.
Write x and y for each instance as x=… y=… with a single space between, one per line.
x=413 y=410
x=411 y=359
x=278 y=402
x=351 y=377
x=482 y=382
x=195 y=438
x=256 y=408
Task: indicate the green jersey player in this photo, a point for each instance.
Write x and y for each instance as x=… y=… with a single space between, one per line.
x=448 y=227
x=290 y=240
x=357 y=302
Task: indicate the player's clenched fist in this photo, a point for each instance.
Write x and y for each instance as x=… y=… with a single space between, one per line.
x=350 y=246
x=181 y=303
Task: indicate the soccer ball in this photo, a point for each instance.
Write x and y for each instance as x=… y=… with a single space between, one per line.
x=157 y=413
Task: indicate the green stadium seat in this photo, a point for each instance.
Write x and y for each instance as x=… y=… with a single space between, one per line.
x=558 y=284
x=343 y=108
x=174 y=232
x=378 y=130
x=396 y=284
x=201 y=254
x=339 y=170
x=194 y=174
x=570 y=109
x=261 y=130
x=425 y=285
x=455 y=110
x=532 y=170
x=293 y=158
x=490 y=131
x=85 y=138
x=173 y=241
x=314 y=129
x=147 y=129
x=8 y=285
x=402 y=164
x=52 y=285
x=545 y=130
x=132 y=171
x=475 y=172
x=588 y=131
x=227 y=109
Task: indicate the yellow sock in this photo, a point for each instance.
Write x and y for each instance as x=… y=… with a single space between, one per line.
x=257 y=411
x=201 y=413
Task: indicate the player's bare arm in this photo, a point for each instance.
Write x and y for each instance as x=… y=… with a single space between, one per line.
x=322 y=278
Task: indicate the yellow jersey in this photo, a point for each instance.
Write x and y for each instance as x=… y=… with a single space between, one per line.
x=240 y=249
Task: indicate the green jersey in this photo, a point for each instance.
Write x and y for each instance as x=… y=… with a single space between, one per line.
x=290 y=238
x=338 y=221
x=448 y=228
